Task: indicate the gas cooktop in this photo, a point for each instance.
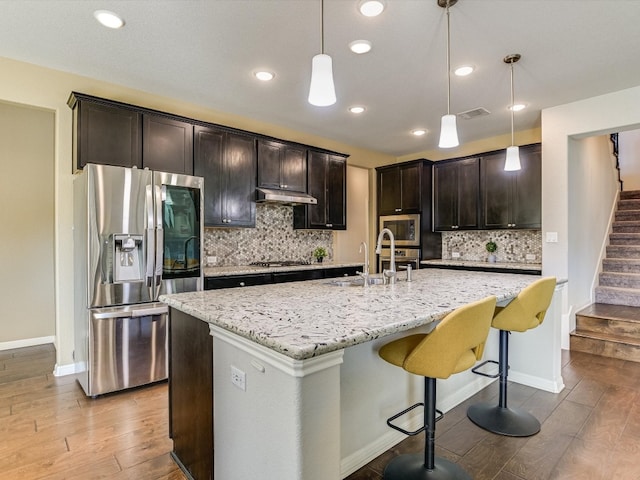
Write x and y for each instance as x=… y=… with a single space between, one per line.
x=279 y=263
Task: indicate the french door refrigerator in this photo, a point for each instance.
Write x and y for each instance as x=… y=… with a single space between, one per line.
x=137 y=234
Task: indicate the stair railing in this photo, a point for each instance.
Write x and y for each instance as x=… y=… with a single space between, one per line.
x=614 y=140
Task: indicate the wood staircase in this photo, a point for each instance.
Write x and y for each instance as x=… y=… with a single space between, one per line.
x=611 y=326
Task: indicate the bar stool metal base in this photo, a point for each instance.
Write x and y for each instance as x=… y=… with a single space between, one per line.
x=411 y=467
x=512 y=422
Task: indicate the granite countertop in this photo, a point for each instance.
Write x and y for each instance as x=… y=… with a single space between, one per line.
x=249 y=269
x=469 y=263
x=306 y=319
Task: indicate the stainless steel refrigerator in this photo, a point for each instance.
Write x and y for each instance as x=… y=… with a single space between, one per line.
x=137 y=234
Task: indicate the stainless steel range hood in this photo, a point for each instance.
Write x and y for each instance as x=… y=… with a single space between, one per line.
x=264 y=195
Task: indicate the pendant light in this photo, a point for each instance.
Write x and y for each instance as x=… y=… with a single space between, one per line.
x=322 y=93
x=448 y=130
x=512 y=162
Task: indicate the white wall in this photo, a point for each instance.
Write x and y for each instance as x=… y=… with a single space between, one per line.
x=346 y=243
x=629 y=155
x=26 y=217
x=562 y=126
x=593 y=191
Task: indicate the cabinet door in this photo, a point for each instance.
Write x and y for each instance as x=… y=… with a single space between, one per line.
x=527 y=200
x=294 y=168
x=209 y=161
x=336 y=198
x=240 y=180
x=389 y=199
x=468 y=193
x=107 y=134
x=269 y=164
x=410 y=188
x=167 y=144
x=445 y=194
x=497 y=187
x=317 y=214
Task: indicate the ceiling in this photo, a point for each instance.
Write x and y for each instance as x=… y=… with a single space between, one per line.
x=204 y=52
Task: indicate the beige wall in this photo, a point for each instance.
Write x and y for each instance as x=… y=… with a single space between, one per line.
x=346 y=243
x=629 y=155
x=26 y=217
x=44 y=88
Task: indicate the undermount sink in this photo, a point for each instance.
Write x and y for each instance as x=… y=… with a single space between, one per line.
x=355 y=282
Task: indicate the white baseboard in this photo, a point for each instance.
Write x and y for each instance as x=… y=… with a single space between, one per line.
x=27 y=342
x=537 y=382
x=70 y=369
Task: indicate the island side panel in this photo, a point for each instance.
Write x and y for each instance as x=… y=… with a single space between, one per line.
x=285 y=425
x=191 y=394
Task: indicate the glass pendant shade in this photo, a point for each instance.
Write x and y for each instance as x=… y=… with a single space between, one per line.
x=512 y=162
x=322 y=92
x=448 y=132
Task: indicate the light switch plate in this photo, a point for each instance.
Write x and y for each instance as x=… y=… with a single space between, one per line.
x=552 y=237
x=530 y=256
x=455 y=254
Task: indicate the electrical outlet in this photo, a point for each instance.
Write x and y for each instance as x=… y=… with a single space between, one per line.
x=455 y=254
x=212 y=260
x=238 y=378
x=530 y=256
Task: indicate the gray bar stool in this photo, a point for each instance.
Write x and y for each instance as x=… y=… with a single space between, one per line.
x=454 y=345
x=524 y=312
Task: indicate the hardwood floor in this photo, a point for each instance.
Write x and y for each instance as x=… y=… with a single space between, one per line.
x=591 y=430
x=50 y=430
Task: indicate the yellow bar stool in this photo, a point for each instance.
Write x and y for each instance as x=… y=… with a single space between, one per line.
x=454 y=345
x=524 y=312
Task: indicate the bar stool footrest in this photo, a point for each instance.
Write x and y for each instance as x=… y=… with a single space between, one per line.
x=477 y=368
x=407 y=410
x=509 y=421
x=411 y=467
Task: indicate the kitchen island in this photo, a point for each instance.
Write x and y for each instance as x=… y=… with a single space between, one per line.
x=310 y=395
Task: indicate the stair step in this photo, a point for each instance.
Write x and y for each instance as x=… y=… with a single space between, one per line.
x=625 y=238
x=628 y=194
x=618 y=296
x=611 y=319
x=629 y=204
x=623 y=251
x=613 y=346
x=622 y=265
x=623 y=280
x=629 y=226
x=627 y=215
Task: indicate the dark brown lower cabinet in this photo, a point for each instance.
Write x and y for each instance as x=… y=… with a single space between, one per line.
x=191 y=394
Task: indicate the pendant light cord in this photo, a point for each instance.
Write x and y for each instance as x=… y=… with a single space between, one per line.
x=322 y=26
x=448 y=62
x=511 y=63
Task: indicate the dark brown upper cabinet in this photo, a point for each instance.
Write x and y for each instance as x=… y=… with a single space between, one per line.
x=327 y=182
x=399 y=189
x=282 y=166
x=512 y=199
x=456 y=193
x=227 y=161
x=167 y=144
x=105 y=133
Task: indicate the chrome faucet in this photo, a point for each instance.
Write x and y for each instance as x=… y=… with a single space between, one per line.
x=365 y=267
x=390 y=274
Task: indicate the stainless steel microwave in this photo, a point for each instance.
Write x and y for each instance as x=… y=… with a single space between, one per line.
x=405 y=229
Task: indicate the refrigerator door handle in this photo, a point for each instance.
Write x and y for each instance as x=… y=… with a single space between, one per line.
x=159 y=190
x=143 y=312
x=150 y=240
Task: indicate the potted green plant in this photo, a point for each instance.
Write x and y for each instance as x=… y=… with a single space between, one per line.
x=491 y=247
x=319 y=253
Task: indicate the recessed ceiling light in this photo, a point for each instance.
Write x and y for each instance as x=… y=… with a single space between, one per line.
x=464 y=70
x=356 y=109
x=264 y=75
x=108 y=19
x=517 y=107
x=418 y=132
x=360 y=46
x=371 y=8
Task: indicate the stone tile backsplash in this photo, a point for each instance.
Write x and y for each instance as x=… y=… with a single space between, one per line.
x=273 y=238
x=513 y=245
